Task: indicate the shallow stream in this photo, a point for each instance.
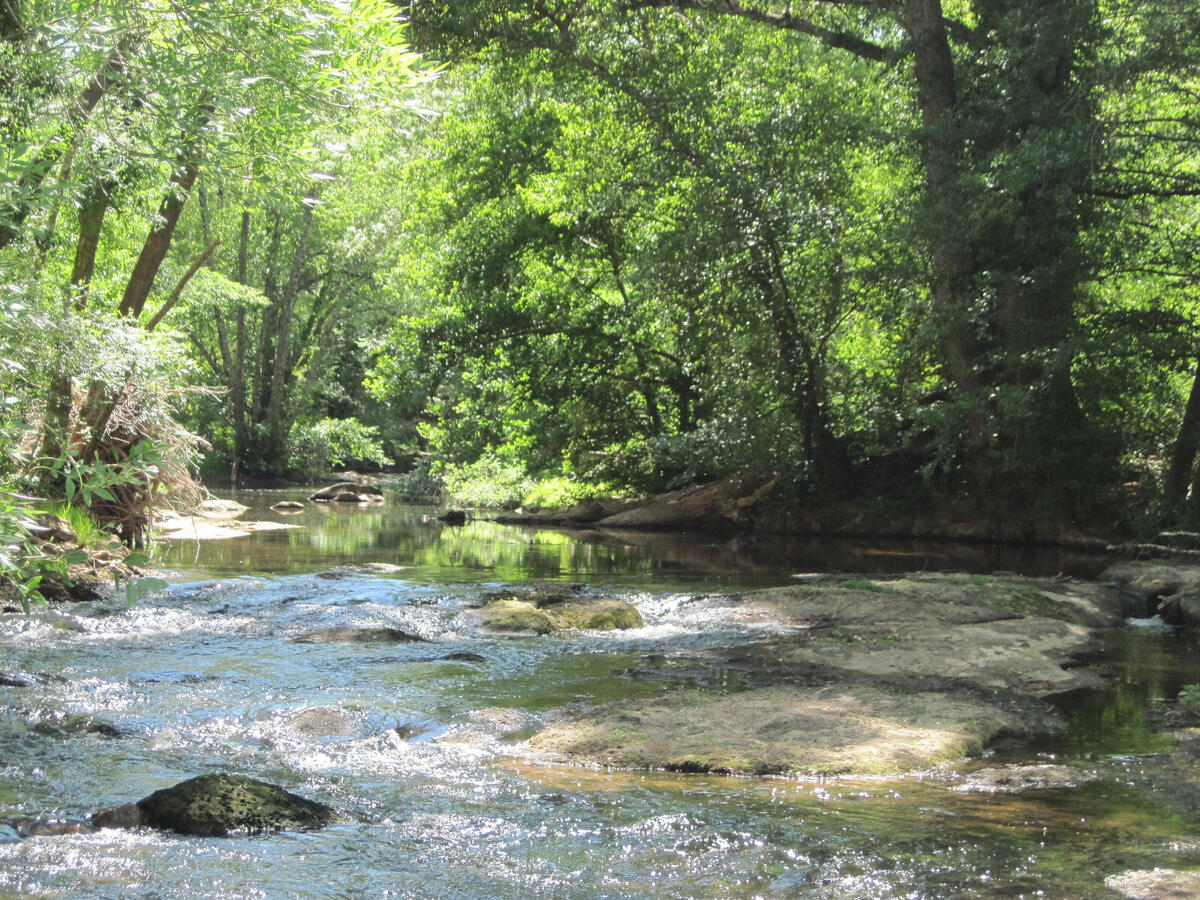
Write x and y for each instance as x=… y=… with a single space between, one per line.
x=424 y=755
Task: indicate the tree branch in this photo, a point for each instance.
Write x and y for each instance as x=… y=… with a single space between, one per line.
x=178 y=292
x=782 y=20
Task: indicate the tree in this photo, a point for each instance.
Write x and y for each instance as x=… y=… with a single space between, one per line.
x=1002 y=182
x=142 y=102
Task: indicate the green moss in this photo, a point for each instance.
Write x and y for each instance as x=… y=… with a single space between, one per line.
x=223 y=805
x=508 y=614
x=862 y=584
x=516 y=615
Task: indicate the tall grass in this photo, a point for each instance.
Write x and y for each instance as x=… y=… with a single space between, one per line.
x=87 y=530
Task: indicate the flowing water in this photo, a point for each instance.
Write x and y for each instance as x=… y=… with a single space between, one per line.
x=424 y=754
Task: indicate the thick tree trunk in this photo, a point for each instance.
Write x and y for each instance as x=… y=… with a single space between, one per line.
x=941 y=153
x=1183 y=455
x=91 y=221
x=158 y=242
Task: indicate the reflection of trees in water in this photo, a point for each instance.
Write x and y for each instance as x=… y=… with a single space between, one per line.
x=338 y=534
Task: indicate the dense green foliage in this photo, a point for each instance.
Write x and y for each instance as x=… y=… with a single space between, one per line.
x=941 y=248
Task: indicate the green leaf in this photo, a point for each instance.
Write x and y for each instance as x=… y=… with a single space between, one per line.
x=137 y=558
x=151 y=584
x=131 y=594
x=75 y=557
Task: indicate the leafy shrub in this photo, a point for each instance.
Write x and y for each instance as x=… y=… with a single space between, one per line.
x=491 y=482
x=334 y=443
x=560 y=491
x=418 y=486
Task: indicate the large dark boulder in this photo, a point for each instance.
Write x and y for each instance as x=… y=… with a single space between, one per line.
x=219 y=806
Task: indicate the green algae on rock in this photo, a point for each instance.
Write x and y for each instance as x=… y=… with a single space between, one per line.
x=549 y=608
x=219 y=806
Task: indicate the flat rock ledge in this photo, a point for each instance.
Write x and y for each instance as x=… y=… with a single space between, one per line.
x=853 y=677
x=219 y=806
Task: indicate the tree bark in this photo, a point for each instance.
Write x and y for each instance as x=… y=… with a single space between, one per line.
x=1183 y=455
x=158 y=242
x=277 y=430
x=237 y=371
x=91 y=221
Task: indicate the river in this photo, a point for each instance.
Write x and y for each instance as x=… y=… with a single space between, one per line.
x=424 y=755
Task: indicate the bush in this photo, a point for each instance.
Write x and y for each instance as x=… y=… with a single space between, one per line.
x=491 y=482
x=333 y=443
x=418 y=486
x=558 y=491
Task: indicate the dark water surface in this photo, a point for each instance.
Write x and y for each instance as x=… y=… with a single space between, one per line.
x=428 y=766
x=332 y=534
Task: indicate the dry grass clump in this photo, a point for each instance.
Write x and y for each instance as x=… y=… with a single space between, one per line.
x=126 y=457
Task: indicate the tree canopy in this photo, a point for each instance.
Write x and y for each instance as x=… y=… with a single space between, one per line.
x=938 y=248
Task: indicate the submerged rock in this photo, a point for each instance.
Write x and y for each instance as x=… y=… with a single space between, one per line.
x=359 y=636
x=797 y=731
x=1014 y=779
x=61 y=726
x=1155 y=884
x=322 y=723
x=29 y=826
x=219 y=806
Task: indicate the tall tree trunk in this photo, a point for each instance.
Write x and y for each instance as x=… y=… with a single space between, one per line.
x=1183 y=455
x=158 y=241
x=277 y=429
x=941 y=152
x=92 y=211
x=56 y=427
x=237 y=372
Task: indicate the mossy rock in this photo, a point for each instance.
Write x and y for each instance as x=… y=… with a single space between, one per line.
x=63 y=726
x=600 y=614
x=359 y=636
x=219 y=806
x=539 y=595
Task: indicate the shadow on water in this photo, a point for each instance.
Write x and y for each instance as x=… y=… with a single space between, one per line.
x=333 y=534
